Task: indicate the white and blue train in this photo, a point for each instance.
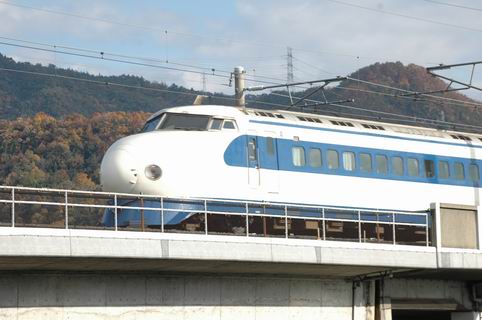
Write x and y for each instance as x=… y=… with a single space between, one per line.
x=221 y=152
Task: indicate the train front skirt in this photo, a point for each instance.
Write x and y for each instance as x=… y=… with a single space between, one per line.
x=148 y=213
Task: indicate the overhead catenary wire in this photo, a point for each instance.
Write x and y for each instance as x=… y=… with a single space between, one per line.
x=84 y=55
x=163 y=30
x=312 y=65
x=100 y=55
x=395 y=117
x=263 y=44
x=104 y=55
x=114 y=84
x=406 y=16
x=121 y=85
x=85 y=68
x=453 y=5
x=384 y=113
x=105 y=58
x=475 y=104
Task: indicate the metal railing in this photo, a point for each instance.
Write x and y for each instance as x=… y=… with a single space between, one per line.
x=58 y=208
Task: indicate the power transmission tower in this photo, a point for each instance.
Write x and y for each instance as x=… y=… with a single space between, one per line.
x=289 y=66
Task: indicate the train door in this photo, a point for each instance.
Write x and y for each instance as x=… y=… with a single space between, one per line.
x=269 y=162
x=253 y=160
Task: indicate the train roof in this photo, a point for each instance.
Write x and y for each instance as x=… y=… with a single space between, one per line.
x=318 y=119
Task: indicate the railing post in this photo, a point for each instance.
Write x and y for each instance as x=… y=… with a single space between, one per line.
x=115 y=212
x=142 y=214
x=13 y=207
x=162 y=214
x=286 y=221
x=247 y=220
x=427 y=230
x=359 y=227
x=323 y=223
x=205 y=217
x=66 y=210
x=393 y=228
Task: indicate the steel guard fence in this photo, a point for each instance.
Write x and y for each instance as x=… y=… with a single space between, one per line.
x=58 y=208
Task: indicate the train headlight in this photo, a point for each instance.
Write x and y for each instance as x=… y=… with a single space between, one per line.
x=153 y=172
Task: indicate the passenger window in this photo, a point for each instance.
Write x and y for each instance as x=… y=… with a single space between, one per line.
x=365 y=162
x=332 y=157
x=443 y=170
x=228 y=124
x=413 y=170
x=270 y=146
x=382 y=164
x=397 y=166
x=474 y=173
x=252 y=149
x=315 y=158
x=216 y=124
x=429 y=168
x=349 y=161
x=298 y=154
x=459 y=173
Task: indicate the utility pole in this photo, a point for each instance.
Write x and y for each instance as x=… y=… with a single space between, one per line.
x=289 y=66
x=239 y=89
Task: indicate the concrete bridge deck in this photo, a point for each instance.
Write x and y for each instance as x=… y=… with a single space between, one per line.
x=66 y=249
x=89 y=274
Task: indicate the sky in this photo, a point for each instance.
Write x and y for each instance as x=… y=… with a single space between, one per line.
x=328 y=37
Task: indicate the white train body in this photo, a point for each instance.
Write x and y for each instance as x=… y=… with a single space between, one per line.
x=259 y=156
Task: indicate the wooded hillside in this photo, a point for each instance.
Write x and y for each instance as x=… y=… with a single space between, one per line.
x=42 y=151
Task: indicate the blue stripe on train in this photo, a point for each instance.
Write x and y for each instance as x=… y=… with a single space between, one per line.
x=236 y=155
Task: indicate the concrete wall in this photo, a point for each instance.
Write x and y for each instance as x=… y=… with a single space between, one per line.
x=458 y=226
x=154 y=296
x=424 y=289
x=137 y=296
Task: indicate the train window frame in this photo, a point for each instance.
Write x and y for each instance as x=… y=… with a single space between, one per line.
x=349 y=160
x=298 y=157
x=156 y=120
x=175 y=127
x=365 y=163
x=381 y=164
x=443 y=169
x=397 y=167
x=315 y=157
x=252 y=149
x=429 y=168
x=331 y=155
x=413 y=166
x=270 y=148
x=458 y=170
x=219 y=126
x=232 y=122
x=474 y=172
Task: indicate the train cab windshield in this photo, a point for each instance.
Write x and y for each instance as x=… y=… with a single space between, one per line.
x=151 y=124
x=187 y=122
x=173 y=121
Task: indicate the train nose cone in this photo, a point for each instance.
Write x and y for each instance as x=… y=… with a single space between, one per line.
x=118 y=171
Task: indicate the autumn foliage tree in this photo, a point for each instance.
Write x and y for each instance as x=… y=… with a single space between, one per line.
x=43 y=151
